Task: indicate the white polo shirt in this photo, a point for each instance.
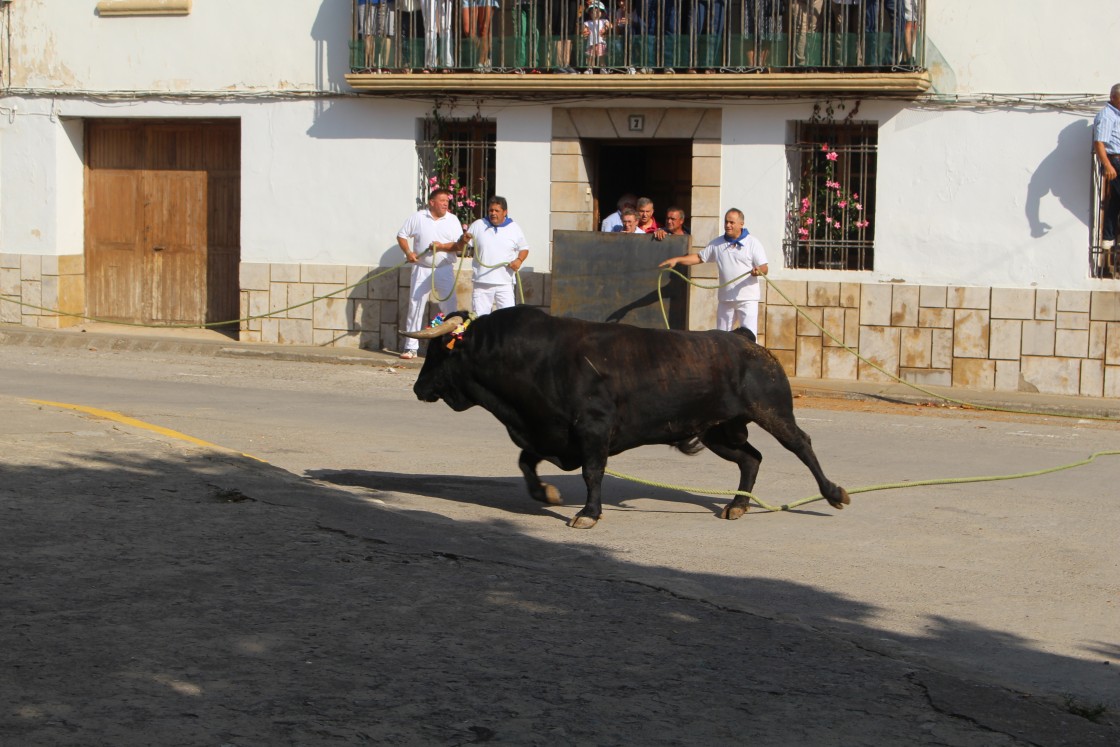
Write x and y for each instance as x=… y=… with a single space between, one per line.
x=734 y=258
x=494 y=245
x=423 y=229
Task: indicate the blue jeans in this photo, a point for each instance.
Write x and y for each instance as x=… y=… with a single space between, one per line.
x=702 y=18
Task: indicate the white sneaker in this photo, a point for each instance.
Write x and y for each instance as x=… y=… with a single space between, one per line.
x=1107 y=244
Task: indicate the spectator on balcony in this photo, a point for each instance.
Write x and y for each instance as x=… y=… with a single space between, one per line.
x=740 y=259
x=629 y=30
x=762 y=20
x=438 y=32
x=630 y=221
x=437 y=229
x=527 y=18
x=565 y=17
x=477 y=17
x=910 y=10
x=377 y=18
x=613 y=222
x=708 y=29
x=805 y=19
x=595 y=30
x=1106 y=144
x=847 y=29
x=499 y=250
x=674 y=224
x=646 y=221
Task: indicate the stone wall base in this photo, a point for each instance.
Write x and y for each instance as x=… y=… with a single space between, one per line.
x=42 y=291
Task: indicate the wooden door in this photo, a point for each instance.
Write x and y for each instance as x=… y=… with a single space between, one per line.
x=162 y=217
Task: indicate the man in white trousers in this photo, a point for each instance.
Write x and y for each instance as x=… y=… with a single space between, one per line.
x=500 y=249
x=437 y=228
x=737 y=254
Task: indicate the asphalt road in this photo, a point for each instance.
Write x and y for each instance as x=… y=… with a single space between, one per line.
x=1013 y=583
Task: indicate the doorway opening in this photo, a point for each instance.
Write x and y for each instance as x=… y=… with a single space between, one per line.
x=658 y=169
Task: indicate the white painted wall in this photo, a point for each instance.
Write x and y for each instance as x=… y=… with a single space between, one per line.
x=989 y=196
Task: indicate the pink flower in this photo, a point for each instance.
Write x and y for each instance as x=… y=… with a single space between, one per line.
x=824 y=147
x=808 y=221
x=859 y=207
x=452 y=182
x=803 y=233
x=832 y=156
x=832 y=185
x=433 y=181
x=836 y=224
x=471 y=203
x=842 y=204
x=855 y=196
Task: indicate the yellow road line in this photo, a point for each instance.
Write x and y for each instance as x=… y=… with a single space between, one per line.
x=124 y=419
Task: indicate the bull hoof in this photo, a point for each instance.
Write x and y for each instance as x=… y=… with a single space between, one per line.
x=552 y=495
x=843 y=501
x=582 y=522
x=732 y=512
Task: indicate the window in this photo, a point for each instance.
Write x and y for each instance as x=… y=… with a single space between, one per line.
x=831 y=207
x=458 y=154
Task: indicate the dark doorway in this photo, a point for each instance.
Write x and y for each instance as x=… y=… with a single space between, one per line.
x=658 y=169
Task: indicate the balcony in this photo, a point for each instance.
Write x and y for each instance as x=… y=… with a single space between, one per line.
x=687 y=48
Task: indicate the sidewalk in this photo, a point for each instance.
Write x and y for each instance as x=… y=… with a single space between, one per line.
x=209 y=342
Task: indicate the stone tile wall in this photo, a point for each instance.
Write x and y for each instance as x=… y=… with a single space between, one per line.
x=341 y=306
x=1048 y=341
x=42 y=291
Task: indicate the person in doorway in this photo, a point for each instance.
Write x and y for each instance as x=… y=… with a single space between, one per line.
x=630 y=222
x=500 y=249
x=646 y=221
x=613 y=222
x=740 y=259
x=674 y=224
x=437 y=229
x=1106 y=145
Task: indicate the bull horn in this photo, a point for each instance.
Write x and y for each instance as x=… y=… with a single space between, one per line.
x=449 y=325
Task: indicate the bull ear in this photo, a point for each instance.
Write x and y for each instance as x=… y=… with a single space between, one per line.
x=449 y=325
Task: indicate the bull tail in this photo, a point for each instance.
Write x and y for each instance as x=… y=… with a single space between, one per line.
x=746 y=333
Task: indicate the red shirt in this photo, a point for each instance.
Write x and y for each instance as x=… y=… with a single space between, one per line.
x=651 y=227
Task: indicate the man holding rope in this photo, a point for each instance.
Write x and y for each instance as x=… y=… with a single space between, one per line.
x=740 y=258
x=499 y=250
x=435 y=228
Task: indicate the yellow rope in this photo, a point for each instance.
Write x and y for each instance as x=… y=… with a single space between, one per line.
x=870 y=488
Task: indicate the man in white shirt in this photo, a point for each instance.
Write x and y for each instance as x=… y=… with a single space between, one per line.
x=613 y=222
x=1106 y=145
x=739 y=257
x=437 y=229
x=500 y=249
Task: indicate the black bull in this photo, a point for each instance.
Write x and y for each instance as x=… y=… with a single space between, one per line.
x=574 y=393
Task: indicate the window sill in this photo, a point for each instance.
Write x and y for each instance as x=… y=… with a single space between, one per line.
x=110 y=8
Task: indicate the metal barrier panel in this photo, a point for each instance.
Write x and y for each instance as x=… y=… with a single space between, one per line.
x=612 y=277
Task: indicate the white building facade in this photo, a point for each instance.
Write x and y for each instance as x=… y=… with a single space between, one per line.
x=983 y=267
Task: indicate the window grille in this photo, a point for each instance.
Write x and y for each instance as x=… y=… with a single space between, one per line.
x=831 y=196
x=458 y=155
x=1103 y=262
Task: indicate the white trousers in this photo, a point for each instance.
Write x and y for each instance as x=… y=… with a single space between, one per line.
x=420 y=286
x=743 y=312
x=438 y=18
x=486 y=298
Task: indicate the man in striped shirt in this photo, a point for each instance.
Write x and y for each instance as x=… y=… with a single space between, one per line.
x=1106 y=144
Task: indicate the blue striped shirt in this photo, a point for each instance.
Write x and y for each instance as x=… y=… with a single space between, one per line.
x=1106 y=129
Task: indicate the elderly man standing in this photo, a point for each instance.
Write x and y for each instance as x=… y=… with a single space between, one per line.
x=1106 y=144
x=500 y=249
x=739 y=256
x=646 y=221
x=435 y=228
x=674 y=224
x=613 y=222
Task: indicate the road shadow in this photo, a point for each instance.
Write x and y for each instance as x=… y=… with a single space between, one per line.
x=187 y=596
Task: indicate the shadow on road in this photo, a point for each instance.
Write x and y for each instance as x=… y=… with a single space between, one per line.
x=166 y=597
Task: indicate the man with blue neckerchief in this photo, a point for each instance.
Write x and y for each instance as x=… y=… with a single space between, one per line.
x=499 y=250
x=740 y=257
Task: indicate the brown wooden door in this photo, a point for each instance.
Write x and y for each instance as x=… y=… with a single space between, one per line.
x=162 y=221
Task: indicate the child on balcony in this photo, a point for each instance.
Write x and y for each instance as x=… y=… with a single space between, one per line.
x=595 y=30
